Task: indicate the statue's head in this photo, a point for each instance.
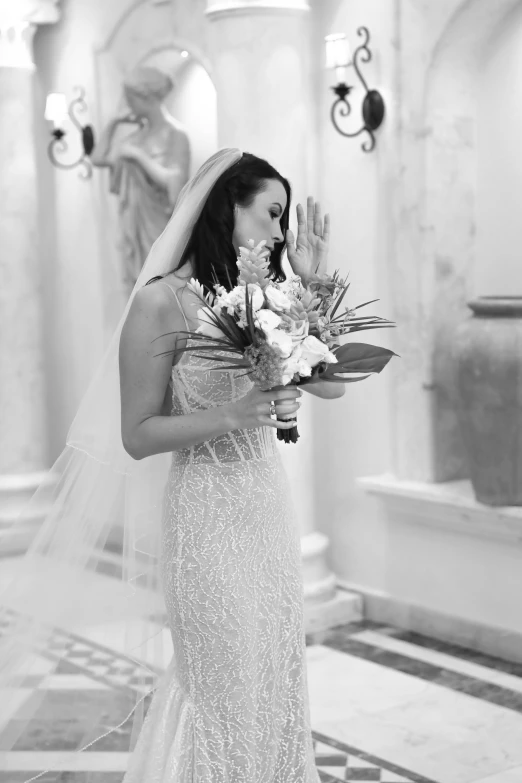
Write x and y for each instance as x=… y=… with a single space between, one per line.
x=146 y=86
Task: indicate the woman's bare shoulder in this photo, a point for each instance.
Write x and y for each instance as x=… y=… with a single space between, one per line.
x=154 y=306
x=152 y=299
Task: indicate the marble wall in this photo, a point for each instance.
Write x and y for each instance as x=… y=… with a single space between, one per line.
x=406 y=225
x=94 y=45
x=406 y=217
x=436 y=225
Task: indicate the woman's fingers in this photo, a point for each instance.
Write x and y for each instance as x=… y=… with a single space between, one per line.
x=318 y=221
x=310 y=214
x=301 y=221
x=326 y=233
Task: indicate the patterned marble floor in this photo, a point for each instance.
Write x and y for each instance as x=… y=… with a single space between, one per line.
x=386 y=706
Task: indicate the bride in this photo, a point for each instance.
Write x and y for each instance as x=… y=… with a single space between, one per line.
x=193 y=451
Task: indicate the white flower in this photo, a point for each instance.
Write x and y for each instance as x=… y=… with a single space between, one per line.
x=267 y=320
x=235 y=299
x=295 y=364
x=277 y=299
x=207 y=325
x=281 y=340
x=314 y=351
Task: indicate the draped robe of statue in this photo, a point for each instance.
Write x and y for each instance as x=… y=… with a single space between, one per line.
x=144 y=206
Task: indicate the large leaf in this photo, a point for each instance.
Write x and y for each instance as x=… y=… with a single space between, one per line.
x=331 y=378
x=360 y=357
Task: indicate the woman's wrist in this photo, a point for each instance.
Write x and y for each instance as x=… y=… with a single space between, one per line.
x=229 y=416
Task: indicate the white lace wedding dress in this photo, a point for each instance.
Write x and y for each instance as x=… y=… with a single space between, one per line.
x=233 y=705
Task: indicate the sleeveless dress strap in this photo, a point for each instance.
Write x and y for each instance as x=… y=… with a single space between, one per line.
x=164 y=282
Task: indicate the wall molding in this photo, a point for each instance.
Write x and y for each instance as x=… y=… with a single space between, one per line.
x=449 y=505
x=222 y=9
x=380 y=607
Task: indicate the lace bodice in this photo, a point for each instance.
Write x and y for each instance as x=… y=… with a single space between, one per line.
x=199 y=383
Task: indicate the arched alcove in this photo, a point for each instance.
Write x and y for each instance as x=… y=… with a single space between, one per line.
x=497 y=269
x=448 y=192
x=193 y=101
x=152 y=35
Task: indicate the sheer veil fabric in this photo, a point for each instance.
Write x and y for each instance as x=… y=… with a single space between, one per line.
x=98 y=495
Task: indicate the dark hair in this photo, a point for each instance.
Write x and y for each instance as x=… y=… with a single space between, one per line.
x=210 y=245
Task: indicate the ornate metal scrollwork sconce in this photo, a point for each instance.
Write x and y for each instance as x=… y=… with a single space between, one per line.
x=373 y=110
x=56 y=110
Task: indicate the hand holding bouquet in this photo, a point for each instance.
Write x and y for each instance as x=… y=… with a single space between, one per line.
x=283 y=333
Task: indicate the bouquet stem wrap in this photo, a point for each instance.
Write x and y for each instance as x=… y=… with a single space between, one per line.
x=291 y=435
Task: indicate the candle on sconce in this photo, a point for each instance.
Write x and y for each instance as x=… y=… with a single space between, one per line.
x=338 y=55
x=56 y=108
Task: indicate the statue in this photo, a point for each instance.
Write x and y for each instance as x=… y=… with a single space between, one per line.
x=148 y=168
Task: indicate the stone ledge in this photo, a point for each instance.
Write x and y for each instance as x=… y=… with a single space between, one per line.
x=344 y=607
x=448 y=505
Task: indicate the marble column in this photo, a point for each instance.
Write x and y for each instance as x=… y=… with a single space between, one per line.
x=23 y=452
x=260 y=52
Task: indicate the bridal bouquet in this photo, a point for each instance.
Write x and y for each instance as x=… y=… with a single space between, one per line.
x=283 y=333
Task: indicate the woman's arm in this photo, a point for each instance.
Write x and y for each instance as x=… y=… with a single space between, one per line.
x=144 y=379
x=147 y=427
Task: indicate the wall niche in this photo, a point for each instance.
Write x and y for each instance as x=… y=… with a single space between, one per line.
x=175 y=42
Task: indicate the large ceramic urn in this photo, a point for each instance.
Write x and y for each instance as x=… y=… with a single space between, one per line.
x=488 y=351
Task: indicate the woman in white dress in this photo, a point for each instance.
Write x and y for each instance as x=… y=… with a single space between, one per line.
x=236 y=708
x=184 y=456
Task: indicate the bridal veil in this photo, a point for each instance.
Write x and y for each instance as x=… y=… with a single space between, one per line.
x=94 y=558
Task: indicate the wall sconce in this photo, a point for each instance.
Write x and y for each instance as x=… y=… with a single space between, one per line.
x=338 y=58
x=56 y=111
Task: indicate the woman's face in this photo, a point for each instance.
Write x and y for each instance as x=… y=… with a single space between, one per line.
x=262 y=219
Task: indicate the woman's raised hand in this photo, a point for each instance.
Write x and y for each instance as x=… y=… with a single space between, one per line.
x=309 y=256
x=253 y=410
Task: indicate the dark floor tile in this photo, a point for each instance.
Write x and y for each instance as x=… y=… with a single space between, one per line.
x=459 y=651
x=340 y=632
x=462 y=683
x=379 y=765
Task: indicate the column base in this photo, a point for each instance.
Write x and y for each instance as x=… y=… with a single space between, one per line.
x=343 y=608
x=324 y=606
x=19 y=520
